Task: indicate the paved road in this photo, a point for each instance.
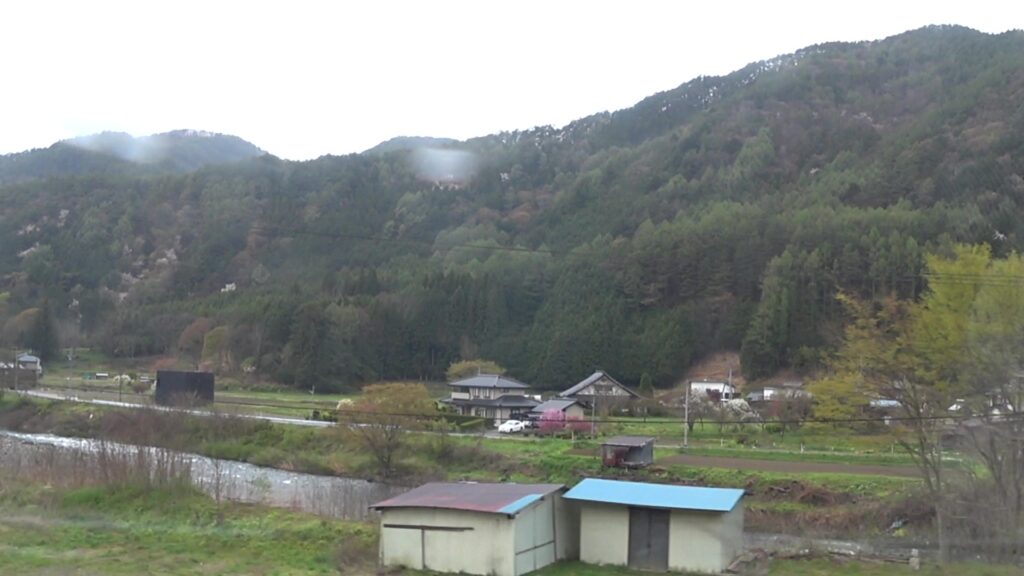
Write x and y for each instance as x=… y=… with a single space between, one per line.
x=789 y=466
x=783 y=466
x=274 y=419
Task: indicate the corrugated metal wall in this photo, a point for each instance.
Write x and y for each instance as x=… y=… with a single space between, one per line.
x=535 y=536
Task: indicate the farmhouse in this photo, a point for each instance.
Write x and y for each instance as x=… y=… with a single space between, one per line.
x=490 y=396
x=17 y=378
x=30 y=362
x=599 y=391
x=721 y=391
x=658 y=527
x=572 y=409
x=785 y=391
x=470 y=528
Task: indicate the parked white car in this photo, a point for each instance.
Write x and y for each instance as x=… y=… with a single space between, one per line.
x=510 y=426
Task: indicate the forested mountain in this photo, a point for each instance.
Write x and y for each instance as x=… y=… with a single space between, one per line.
x=120 y=153
x=725 y=213
x=410 y=143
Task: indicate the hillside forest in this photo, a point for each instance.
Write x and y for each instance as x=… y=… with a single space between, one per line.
x=729 y=213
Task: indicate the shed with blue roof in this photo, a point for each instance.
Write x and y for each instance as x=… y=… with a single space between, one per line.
x=658 y=526
x=478 y=528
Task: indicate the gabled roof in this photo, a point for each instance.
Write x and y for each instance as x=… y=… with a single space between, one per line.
x=655 y=495
x=503 y=401
x=505 y=498
x=631 y=441
x=488 y=381
x=590 y=380
x=559 y=404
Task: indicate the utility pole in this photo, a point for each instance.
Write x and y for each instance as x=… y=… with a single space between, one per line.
x=686 y=418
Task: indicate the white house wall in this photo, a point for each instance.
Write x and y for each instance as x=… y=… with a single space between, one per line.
x=567 y=529
x=695 y=541
x=604 y=534
x=485 y=548
x=732 y=535
x=575 y=411
x=603 y=387
x=698 y=541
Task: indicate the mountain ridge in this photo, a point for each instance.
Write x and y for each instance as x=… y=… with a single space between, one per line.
x=726 y=213
x=173 y=151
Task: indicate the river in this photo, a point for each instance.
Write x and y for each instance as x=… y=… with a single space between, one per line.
x=331 y=496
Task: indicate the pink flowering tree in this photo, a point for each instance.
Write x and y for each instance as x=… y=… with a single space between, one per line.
x=551 y=421
x=577 y=424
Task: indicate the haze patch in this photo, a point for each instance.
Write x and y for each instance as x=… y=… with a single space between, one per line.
x=445 y=166
x=147 y=150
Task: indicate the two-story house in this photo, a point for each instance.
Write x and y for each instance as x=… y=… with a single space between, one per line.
x=600 y=393
x=491 y=396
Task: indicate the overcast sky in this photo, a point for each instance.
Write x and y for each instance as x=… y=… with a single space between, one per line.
x=304 y=79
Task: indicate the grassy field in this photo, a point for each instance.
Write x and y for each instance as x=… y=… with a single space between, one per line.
x=809 y=443
x=125 y=530
x=47 y=529
x=830 y=567
x=809 y=567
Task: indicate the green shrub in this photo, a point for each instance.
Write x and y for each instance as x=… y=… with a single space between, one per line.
x=474 y=424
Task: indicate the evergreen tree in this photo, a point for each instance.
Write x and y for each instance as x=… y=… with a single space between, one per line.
x=42 y=337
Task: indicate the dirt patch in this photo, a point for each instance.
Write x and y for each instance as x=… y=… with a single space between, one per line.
x=718 y=366
x=800 y=492
x=584 y=451
x=789 y=466
x=857 y=520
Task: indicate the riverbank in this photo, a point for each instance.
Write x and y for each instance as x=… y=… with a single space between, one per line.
x=833 y=505
x=95 y=507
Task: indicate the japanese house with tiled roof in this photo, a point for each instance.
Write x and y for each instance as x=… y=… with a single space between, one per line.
x=491 y=396
x=600 y=391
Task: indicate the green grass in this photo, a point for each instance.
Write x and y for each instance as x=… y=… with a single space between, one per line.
x=897 y=458
x=811 y=438
x=813 y=567
x=859 y=484
x=105 y=530
x=829 y=567
x=429 y=456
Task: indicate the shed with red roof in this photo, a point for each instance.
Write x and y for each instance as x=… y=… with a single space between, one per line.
x=478 y=528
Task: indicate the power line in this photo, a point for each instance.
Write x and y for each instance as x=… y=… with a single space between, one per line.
x=281 y=231
x=592 y=420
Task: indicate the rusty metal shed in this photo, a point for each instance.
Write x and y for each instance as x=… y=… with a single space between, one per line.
x=478 y=528
x=628 y=451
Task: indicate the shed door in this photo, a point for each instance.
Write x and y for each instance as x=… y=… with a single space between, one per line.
x=648 y=539
x=535 y=537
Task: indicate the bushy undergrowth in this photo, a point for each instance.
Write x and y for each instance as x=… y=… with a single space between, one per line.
x=134 y=529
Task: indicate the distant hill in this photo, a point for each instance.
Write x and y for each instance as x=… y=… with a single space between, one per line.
x=409 y=143
x=724 y=214
x=115 y=152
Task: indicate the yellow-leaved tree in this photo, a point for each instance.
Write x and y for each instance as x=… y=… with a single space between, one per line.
x=381 y=418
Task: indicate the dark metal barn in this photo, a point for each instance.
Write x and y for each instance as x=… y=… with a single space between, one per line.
x=177 y=388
